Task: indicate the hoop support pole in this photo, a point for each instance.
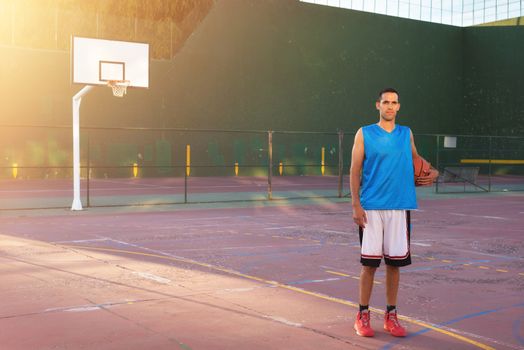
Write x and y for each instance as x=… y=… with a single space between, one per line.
x=77 y=99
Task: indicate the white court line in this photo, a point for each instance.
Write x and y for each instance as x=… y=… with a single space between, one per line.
x=239 y=290
x=150 y=250
x=283 y=320
x=187 y=226
x=79 y=308
x=421 y=244
x=479 y=216
x=220 y=217
x=208 y=218
x=339 y=232
x=152 y=277
x=280 y=228
x=83 y=240
x=201 y=249
x=324 y=280
x=90 y=307
x=243 y=247
x=333 y=212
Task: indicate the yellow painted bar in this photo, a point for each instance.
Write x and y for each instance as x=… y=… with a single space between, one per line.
x=188 y=160
x=322 y=161
x=15 y=170
x=135 y=169
x=236 y=168
x=493 y=161
x=338 y=273
x=281 y=168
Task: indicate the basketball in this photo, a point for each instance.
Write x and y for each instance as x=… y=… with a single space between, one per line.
x=421 y=167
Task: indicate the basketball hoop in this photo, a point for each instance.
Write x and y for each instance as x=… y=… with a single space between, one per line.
x=119 y=87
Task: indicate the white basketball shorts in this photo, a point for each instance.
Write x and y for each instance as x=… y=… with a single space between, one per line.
x=387 y=234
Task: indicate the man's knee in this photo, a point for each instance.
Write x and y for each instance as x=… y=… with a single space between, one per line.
x=369 y=270
x=392 y=271
x=393 y=268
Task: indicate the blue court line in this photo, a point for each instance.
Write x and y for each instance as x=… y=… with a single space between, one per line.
x=516 y=330
x=455 y=320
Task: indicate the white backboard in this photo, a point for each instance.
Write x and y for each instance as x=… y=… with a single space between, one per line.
x=96 y=61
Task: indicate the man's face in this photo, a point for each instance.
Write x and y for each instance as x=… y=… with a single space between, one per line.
x=388 y=106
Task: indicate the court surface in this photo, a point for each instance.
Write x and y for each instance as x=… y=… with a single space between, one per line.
x=257 y=275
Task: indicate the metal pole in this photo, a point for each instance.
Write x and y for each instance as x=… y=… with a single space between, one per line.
x=489 y=166
x=88 y=167
x=340 y=163
x=269 y=164
x=483 y=12
x=185 y=175
x=185 y=187
x=77 y=99
x=438 y=160
x=441 y=12
x=462 y=15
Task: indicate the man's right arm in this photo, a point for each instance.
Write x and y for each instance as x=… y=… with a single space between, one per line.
x=357 y=158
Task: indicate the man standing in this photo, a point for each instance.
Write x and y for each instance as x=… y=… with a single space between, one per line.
x=382 y=158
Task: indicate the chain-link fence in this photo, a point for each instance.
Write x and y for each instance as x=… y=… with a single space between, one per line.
x=148 y=166
x=480 y=163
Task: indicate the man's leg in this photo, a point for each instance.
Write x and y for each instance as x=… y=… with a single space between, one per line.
x=391 y=323
x=367 y=276
x=371 y=242
x=363 y=322
x=392 y=282
x=397 y=253
x=371 y=246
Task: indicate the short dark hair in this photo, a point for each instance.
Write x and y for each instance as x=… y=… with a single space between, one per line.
x=387 y=90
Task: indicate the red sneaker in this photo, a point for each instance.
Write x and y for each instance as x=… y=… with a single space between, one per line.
x=363 y=325
x=392 y=325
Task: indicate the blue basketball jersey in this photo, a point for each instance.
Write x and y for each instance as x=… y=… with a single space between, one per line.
x=388 y=180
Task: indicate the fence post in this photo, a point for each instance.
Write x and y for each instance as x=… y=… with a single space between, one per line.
x=489 y=165
x=269 y=164
x=438 y=160
x=88 y=168
x=340 y=163
x=186 y=170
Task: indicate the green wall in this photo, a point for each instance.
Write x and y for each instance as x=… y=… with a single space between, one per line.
x=494 y=81
x=287 y=65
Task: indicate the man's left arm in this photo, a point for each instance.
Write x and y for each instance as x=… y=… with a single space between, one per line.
x=433 y=173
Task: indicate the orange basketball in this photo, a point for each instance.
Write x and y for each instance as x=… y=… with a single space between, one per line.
x=421 y=167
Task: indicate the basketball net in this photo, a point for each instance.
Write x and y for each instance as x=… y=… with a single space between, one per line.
x=119 y=87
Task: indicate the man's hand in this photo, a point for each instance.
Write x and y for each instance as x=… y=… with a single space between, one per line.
x=359 y=216
x=428 y=179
